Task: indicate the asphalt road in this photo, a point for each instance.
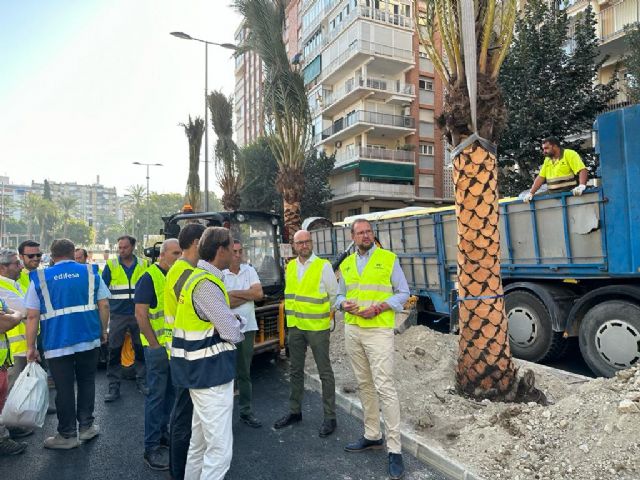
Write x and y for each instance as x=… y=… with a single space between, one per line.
x=295 y=452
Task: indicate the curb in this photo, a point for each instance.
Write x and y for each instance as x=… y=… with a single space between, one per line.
x=411 y=444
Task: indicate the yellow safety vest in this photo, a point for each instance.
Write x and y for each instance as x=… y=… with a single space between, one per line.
x=17 y=335
x=306 y=308
x=372 y=287
x=5 y=353
x=156 y=315
x=121 y=287
x=23 y=281
x=170 y=297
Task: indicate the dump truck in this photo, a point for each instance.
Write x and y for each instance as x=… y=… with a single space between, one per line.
x=570 y=265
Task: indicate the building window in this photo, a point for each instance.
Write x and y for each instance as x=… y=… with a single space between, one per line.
x=354 y=211
x=339 y=216
x=425 y=84
x=426 y=148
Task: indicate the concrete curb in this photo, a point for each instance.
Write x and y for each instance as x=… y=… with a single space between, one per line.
x=410 y=443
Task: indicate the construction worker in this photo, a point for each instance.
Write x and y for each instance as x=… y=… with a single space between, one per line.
x=203 y=357
x=156 y=340
x=69 y=302
x=31 y=256
x=372 y=287
x=121 y=275
x=9 y=319
x=244 y=288
x=182 y=413
x=559 y=171
x=310 y=290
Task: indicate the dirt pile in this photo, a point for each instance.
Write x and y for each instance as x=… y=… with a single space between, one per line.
x=590 y=431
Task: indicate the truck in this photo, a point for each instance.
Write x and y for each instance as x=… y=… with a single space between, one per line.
x=261 y=237
x=570 y=264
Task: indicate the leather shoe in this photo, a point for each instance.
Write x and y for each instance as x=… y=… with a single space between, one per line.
x=363 y=444
x=327 y=428
x=396 y=466
x=287 y=420
x=251 y=420
x=113 y=395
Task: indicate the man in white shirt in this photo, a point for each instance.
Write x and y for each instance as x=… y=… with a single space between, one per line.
x=243 y=287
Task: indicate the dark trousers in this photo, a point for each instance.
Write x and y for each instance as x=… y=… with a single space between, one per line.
x=118 y=326
x=243 y=372
x=78 y=368
x=298 y=340
x=159 y=401
x=180 y=432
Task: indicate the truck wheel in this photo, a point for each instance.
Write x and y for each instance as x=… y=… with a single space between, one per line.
x=531 y=334
x=610 y=337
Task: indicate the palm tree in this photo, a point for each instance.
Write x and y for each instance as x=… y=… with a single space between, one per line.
x=227 y=155
x=286 y=109
x=472 y=127
x=28 y=207
x=66 y=204
x=134 y=199
x=194 y=129
x=46 y=214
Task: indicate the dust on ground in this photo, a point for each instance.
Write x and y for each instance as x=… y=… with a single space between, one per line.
x=591 y=431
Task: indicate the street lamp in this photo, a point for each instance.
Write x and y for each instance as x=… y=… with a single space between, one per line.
x=229 y=46
x=148 y=165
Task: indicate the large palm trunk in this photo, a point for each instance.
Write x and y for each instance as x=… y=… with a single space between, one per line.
x=485 y=368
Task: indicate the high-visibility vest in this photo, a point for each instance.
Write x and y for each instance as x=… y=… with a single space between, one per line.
x=156 y=315
x=199 y=357
x=17 y=335
x=305 y=306
x=69 y=318
x=23 y=280
x=121 y=287
x=5 y=352
x=372 y=287
x=170 y=295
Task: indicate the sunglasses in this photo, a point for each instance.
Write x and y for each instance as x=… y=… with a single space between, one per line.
x=31 y=256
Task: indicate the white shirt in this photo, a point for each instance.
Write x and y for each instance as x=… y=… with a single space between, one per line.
x=14 y=301
x=328 y=281
x=246 y=277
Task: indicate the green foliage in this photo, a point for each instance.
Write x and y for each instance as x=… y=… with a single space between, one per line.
x=260 y=192
x=632 y=62
x=548 y=91
x=194 y=129
x=78 y=231
x=47 y=190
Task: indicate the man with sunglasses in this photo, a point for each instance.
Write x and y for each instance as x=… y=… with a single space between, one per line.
x=31 y=256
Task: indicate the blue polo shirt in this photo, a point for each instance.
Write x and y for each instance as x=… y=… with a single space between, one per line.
x=123 y=307
x=145 y=292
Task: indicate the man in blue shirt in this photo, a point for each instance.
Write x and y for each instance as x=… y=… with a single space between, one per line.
x=68 y=301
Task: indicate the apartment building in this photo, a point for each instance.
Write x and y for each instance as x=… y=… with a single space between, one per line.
x=373 y=98
x=612 y=17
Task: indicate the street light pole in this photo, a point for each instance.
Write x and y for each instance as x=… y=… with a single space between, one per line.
x=228 y=46
x=148 y=205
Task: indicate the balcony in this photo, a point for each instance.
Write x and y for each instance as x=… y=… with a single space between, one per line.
x=347 y=156
x=377 y=190
x=613 y=19
x=386 y=60
x=307 y=30
x=355 y=88
x=370 y=13
x=359 y=121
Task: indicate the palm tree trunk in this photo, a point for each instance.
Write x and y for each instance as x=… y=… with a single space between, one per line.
x=485 y=367
x=292 y=219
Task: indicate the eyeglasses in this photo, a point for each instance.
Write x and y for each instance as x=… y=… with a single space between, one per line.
x=16 y=262
x=31 y=256
x=303 y=242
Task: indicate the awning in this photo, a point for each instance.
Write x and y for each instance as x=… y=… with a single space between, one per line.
x=389 y=171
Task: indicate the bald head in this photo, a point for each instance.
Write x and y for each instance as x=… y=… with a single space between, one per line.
x=302 y=244
x=170 y=251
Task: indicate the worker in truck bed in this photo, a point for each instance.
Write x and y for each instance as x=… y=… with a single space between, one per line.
x=562 y=170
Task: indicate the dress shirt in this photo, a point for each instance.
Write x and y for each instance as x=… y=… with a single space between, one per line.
x=328 y=283
x=209 y=303
x=244 y=280
x=399 y=283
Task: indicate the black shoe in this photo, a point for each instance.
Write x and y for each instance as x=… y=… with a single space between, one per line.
x=19 y=432
x=396 y=466
x=156 y=459
x=363 y=444
x=113 y=395
x=327 y=428
x=10 y=447
x=251 y=420
x=287 y=420
x=142 y=386
x=165 y=441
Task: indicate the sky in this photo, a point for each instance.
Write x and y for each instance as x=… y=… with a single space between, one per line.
x=89 y=86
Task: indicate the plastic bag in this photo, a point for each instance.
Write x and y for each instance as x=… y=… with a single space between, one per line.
x=28 y=400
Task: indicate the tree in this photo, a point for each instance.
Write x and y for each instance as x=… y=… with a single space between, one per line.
x=632 y=62
x=28 y=206
x=133 y=202
x=317 y=191
x=46 y=214
x=66 y=204
x=560 y=96
x=78 y=231
x=485 y=367
x=228 y=169
x=286 y=109
x=194 y=130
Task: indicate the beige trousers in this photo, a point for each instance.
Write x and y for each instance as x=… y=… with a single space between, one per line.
x=371 y=353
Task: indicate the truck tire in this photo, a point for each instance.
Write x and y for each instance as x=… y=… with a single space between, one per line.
x=610 y=337
x=531 y=334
